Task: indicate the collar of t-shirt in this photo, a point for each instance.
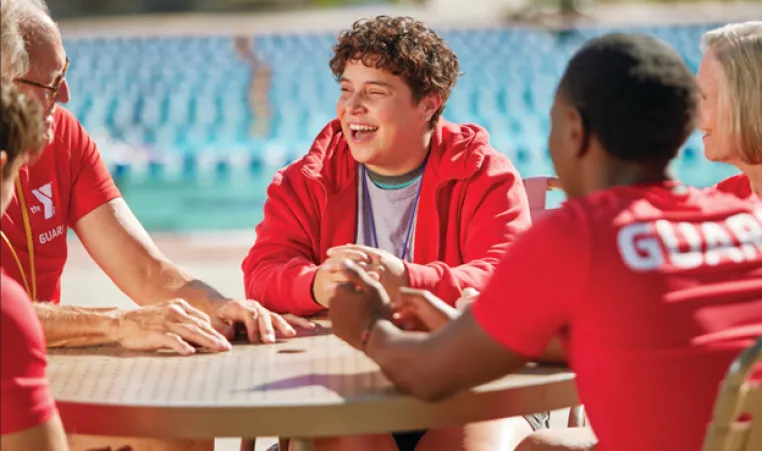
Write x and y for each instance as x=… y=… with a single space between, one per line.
x=393 y=182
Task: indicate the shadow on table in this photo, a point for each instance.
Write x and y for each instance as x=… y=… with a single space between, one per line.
x=370 y=383
x=354 y=385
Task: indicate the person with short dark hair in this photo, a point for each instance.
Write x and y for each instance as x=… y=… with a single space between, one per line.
x=653 y=287
x=419 y=201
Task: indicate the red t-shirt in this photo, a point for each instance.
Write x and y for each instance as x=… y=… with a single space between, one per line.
x=66 y=183
x=26 y=400
x=739 y=185
x=653 y=293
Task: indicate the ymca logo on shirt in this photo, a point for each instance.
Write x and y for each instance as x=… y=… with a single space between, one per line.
x=44 y=195
x=647 y=246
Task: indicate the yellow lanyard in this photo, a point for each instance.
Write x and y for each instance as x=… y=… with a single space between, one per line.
x=30 y=244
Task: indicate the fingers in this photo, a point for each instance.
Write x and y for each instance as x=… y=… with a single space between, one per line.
x=190 y=310
x=299 y=321
x=282 y=326
x=351 y=254
x=173 y=342
x=198 y=336
x=371 y=255
x=266 y=331
x=469 y=296
x=250 y=320
x=415 y=296
x=356 y=276
x=200 y=332
x=470 y=293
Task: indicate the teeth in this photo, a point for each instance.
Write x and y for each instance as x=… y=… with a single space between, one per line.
x=362 y=128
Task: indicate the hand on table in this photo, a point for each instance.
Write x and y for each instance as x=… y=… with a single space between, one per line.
x=356 y=304
x=383 y=266
x=261 y=324
x=420 y=310
x=173 y=324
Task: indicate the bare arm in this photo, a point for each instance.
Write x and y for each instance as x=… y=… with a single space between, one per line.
x=420 y=364
x=48 y=436
x=69 y=326
x=123 y=249
x=113 y=236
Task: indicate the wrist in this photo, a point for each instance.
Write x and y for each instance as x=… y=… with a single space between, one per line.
x=365 y=336
x=112 y=325
x=317 y=293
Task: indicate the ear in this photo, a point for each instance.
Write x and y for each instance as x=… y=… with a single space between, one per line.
x=430 y=104
x=579 y=134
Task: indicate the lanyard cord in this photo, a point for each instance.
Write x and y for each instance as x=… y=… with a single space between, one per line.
x=30 y=289
x=369 y=209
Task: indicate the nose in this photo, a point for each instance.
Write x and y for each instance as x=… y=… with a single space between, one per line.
x=63 y=95
x=354 y=104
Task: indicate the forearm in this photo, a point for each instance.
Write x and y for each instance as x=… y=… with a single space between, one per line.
x=448 y=283
x=166 y=281
x=402 y=357
x=69 y=326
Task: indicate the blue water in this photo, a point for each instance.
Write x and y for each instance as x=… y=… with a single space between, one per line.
x=235 y=202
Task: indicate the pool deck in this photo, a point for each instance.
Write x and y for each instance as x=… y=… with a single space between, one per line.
x=460 y=14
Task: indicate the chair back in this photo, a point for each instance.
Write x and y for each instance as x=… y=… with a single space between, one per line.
x=730 y=429
x=537 y=192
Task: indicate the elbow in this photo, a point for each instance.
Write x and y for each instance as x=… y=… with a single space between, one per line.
x=422 y=388
x=428 y=392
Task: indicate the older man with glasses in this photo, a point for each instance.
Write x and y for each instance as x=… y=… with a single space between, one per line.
x=70 y=187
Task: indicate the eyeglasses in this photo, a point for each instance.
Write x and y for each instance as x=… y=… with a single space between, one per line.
x=52 y=88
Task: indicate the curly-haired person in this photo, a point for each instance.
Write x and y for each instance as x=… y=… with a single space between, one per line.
x=420 y=202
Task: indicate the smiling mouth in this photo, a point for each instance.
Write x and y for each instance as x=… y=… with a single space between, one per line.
x=361 y=132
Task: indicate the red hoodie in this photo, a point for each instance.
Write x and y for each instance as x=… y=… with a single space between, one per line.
x=472 y=207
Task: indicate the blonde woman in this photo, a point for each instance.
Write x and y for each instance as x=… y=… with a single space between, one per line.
x=730 y=77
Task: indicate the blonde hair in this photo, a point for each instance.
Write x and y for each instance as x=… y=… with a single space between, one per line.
x=738 y=49
x=13 y=54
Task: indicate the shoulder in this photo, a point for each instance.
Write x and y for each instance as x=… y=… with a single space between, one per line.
x=466 y=153
x=69 y=134
x=738 y=185
x=64 y=121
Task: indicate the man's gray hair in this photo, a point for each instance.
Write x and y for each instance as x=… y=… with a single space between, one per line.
x=20 y=19
x=13 y=56
x=738 y=49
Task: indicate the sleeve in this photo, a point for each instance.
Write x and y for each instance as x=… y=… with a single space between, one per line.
x=495 y=213
x=280 y=268
x=25 y=397
x=92 y=184
x=538 y=286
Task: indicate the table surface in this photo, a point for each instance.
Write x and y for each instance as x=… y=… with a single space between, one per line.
x=309 y=386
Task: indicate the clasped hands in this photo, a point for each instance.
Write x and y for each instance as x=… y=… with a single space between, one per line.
x=359 y=298
x=387 y=269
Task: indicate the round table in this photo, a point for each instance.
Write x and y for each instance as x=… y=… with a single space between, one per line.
x=309 y=386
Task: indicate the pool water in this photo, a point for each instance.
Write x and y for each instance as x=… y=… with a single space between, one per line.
x=235 y=201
